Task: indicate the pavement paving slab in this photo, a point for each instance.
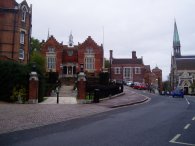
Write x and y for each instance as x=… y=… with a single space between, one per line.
x=14 y=117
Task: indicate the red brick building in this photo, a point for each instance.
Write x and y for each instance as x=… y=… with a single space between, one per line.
x=127 y=69
x=67 y=59
x=15 y=30
x=133 y=69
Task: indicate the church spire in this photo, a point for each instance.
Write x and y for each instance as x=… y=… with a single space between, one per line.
x=176 y=42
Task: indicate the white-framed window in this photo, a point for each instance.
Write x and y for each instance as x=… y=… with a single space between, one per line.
x=51 y=49
x=117 y=70
x=89 y=50
x=51 y=62
x=24 y=11
x=21 y=54
x=137 y=70
x=128 y=73
x=89 y=63
x=22 y=37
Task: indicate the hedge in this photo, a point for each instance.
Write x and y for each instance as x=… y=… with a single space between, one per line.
x=14 y=76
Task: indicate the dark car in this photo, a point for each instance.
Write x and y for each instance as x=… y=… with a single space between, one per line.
x=177 y=93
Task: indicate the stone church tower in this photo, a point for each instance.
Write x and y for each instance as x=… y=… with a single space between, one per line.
x=182 y=73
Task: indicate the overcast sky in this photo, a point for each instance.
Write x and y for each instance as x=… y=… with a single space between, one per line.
x=145 y=26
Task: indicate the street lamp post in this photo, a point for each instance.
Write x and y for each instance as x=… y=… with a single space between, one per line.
x=57 y=92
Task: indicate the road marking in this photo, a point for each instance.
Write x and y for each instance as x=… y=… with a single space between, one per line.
x=175 y=138
x=187 y=100
x=187 y=126
x=182 y=143
x=193 y=119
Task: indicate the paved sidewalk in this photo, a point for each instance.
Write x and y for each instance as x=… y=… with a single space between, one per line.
x=14 y=117
x=66 y=96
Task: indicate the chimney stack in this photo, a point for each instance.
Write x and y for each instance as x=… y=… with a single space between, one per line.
x=111 y=54
x=134 y=55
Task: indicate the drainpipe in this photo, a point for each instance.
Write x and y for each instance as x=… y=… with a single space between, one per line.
x=13 y=38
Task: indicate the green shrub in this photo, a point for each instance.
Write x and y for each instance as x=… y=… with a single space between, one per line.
x=104 y=78
x=11 y=75
x=14 y=78
x=19 y=94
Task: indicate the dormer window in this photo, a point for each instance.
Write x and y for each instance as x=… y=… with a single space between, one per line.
x=24 y=11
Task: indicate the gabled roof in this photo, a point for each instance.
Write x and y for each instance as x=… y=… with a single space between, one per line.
x=147 y=68
x=52 y=41
x=185 y=63
x=52 y=38
x=127 y=61
x=89 y=41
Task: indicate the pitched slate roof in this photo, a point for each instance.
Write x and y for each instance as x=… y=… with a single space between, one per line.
x=185 y=63
x=127 y=61
x=176 y=41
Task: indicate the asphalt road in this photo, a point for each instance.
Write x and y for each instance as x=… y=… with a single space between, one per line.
x=163 y=121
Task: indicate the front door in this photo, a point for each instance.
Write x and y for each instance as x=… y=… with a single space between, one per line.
x=70 y=70
x=185 y=90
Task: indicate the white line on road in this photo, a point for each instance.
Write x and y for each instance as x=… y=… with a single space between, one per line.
x=187 y=100
x=175 y=138
x=181 y=143
x=193 y=119
x=187 y=126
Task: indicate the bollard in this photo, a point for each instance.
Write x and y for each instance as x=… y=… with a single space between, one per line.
x=96 y=96
x=57 y=97
x=57 y=92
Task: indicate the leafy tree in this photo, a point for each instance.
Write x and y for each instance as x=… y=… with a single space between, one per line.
x=12 y=75
x=166 y=86
x=107 y=63
x=37 y=58
x=35 y=44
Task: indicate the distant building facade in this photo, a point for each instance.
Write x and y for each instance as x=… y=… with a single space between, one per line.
x=15 y=30
x=68 y=59
x=182 y=72
x=133 y=69
x=127 y=69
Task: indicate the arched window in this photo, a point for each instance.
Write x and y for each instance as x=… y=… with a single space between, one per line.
x=24 y=11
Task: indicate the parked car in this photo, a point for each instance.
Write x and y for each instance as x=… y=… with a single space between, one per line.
x=129 y=83
x=166 y=93
x=132 y=85
x=139 y=86
x=142 y=87
x=136 y=85
x=177 y=93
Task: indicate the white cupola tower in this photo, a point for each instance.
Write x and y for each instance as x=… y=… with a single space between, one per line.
x=71 y=43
